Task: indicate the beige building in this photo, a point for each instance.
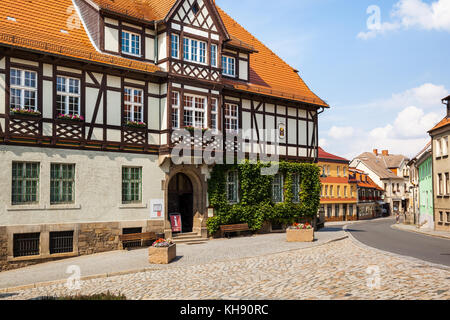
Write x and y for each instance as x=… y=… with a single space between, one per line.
x=391 y=173
x=440 y=135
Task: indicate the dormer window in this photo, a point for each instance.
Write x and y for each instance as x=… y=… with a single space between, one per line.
x=229 y=66
x=131 y=43
x=194 y=50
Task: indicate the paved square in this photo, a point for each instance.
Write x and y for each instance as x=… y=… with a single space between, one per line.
x=337 y=270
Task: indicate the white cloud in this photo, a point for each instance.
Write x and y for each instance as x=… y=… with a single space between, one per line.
x=426 y=96
x=407 y=118
x=341 y=132
x=323 y=143
x=408 y=14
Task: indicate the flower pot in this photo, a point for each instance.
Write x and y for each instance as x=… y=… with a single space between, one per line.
x=162 y=255
x=300 y=235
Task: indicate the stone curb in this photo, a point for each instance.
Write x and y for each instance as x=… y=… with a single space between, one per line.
x=398 y=227
x=395 y=255
x=123 y=273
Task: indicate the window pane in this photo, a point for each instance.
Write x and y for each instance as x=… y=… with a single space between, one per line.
x=131 y=185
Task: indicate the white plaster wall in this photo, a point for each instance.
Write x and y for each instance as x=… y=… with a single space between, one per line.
x=302 y=133
x=114 y=114
x=153 y=111
x=28 y=62
x=111 y=39
x=162 y=46
x=91 y=100
x=149 y=48
x=2 y=63
x=243 y=70
x=292 y=131
x=47 y=99
x=98 y=186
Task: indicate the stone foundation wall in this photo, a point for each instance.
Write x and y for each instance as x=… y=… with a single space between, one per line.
x=98 y=238
x=89 y=238
x=3 y=248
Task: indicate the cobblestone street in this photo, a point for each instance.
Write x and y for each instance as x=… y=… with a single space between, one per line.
x=338 y=270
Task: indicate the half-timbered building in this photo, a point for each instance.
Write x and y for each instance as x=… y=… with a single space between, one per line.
x=91 y=92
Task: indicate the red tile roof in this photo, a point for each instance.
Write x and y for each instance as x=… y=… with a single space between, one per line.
x=323 y=155
x=444 y=122
x=39 y=24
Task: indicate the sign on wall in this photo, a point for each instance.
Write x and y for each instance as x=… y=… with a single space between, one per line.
x=175 y=221
x=281 y=130
x=157 y=209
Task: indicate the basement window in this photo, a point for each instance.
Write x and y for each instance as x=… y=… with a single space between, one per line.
x=26 y=244
x=61 y=242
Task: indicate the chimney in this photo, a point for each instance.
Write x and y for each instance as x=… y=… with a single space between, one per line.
x=375 y=152
x=385 y=153
x=447 y=101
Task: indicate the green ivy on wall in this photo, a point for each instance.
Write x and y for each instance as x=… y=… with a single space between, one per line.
x=256 y=206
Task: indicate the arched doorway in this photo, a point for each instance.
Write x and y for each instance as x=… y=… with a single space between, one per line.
x=181 y=200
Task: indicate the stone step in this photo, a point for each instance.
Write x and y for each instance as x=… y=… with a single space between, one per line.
x=190 y=241
x=185 y=235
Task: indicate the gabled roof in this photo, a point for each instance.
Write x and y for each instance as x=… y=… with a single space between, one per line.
x=381 y=165
x=362 y=179
x=444 y=122
x=43 y=26
x=39 y=23
x=323 y=155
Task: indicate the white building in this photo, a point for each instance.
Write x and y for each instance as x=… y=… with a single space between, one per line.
x=90 y=94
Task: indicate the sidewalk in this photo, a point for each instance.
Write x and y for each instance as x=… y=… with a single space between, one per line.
x=119 y=262
x=428 y=232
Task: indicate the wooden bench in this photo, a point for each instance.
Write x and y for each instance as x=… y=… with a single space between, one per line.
x=135 y=237
x=227 y=229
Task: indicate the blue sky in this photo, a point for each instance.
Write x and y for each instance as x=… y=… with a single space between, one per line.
x=384 y=85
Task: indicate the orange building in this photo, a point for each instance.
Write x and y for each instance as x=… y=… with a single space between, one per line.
x=338 y=196
x=369 y=195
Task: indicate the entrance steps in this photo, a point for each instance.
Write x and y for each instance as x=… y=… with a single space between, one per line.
x=188 y=238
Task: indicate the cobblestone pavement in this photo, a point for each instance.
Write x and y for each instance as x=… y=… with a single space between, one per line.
x=218 y=250
x=338 y=270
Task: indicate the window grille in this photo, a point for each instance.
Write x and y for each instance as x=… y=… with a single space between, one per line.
x=26 y=244
x=61 y=242
x=62 y=183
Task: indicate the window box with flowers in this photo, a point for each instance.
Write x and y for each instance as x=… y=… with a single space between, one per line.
x=70 y=117
x=192 y=129
x=300 y=232
x=162 y=252
x=29 y=113
x=136 y=124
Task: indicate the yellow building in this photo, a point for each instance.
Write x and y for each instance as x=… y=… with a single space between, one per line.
x=338 y=197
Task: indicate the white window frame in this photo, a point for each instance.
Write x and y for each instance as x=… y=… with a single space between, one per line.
x=22 y=87
x=175 y=46
x=134 y=104
x=229 y=117
x=234 y=182
x=195 y=53
x=215 y=114
x=194 y=109
x=227 y=70
x=175 y=109
x=214 y=55
x=278 y=180
x=130 y=42
x=66 y=94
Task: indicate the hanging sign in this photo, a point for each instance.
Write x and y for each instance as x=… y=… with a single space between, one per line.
x=175 y=221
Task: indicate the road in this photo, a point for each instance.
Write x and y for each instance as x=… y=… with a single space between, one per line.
x=379 y=234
